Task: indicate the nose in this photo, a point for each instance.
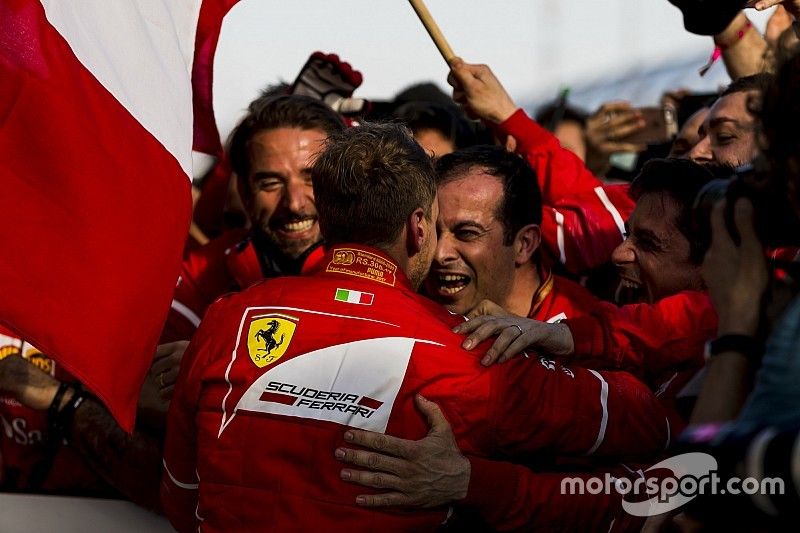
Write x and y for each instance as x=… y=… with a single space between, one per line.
x=298 y=195
x=445 y=250
x=701 y=152
x=623 y=254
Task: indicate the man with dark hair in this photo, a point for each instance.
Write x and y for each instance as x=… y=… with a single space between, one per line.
x=728 y=134
x=490 y=213
x=271 y=151
x=663 y=250
x=583 y=218
x=660 y=341
x=275 y=372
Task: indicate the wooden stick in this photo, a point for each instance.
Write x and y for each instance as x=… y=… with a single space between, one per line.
x=433 y=30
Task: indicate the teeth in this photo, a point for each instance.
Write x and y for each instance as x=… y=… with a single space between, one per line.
x=450 y=284
x=301 y=225
x=452 y=290
x=629 y=284
x=450 y=277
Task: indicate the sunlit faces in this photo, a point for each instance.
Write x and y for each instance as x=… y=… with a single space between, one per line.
x=728 y=135
x=654 y=258
x=472 y=261
x=281 y=203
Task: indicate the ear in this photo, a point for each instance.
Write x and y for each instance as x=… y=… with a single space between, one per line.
x=526 y=242
x=417 y=231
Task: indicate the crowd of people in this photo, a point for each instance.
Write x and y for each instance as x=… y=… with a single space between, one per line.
x=427 y=314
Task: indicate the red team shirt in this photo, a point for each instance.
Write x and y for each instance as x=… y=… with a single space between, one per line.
x=275 y=374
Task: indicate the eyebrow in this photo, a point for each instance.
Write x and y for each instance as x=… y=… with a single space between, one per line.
x=461 y=224
x=722 y=120
x=266 y=174
x=649 y=235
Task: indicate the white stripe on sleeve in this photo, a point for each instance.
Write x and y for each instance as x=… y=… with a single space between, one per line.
x=601 y=434
x=562 y=252
x=185 y=312
x=611 y=209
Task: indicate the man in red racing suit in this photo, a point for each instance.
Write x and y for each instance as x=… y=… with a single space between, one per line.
x=276 y=372
x=353 y=351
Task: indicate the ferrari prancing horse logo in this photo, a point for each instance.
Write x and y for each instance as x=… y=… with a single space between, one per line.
x=268 y=338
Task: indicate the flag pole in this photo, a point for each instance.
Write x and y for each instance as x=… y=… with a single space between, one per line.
x=433 y=29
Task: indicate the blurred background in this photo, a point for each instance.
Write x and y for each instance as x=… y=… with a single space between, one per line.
x=600 y=49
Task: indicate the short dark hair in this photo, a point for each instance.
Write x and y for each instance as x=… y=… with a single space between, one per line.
x=756 y=82
x=270 y=112
x=447 y=120
x=368 y=180
x=681 y=180
x=522 y=200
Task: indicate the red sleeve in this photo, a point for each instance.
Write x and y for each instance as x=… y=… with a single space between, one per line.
x=510 y=497
x=646 y=339
x=583 y=220
x=538 y=405
x=203 y=279
x=179 y=482
x=185 y=312
x=560 y=172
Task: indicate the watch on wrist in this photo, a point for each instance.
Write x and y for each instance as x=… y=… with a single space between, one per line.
x=746 y=345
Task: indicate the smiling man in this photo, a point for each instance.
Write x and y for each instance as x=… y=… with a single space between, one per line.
x=728 y=132
x=662 y=252
x=271 y=151
x=490 y=212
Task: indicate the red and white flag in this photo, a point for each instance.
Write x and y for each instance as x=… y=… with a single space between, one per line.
x=95 y=158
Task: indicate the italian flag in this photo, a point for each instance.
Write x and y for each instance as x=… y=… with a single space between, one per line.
x=354 y=297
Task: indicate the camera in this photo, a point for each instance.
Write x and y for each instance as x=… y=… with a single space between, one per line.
x=776 y=222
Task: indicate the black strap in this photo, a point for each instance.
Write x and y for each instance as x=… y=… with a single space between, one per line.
x=59 y=422
x=746 y=345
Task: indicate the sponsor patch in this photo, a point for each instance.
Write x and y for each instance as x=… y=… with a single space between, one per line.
x=353 y=384
x=268 y=338
x=34 y=356
x=319 y=400
x=361 y=264
x=7 y=350
x=354 y=297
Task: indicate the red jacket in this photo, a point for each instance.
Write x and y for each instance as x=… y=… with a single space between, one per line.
x=559 y=298
x=23 y=440
x=583 y=220
x=662 y=343
x=275 y=373
x=229 y=263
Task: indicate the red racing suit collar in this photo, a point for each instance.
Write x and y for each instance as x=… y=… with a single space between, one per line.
x=364 y=262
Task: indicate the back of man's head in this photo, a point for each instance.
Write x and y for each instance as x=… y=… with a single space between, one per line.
x=367 y=182
x=271 y=112
x=681 y=181
x=521 y=204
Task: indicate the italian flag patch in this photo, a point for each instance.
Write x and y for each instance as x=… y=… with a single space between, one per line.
x=354 y=297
